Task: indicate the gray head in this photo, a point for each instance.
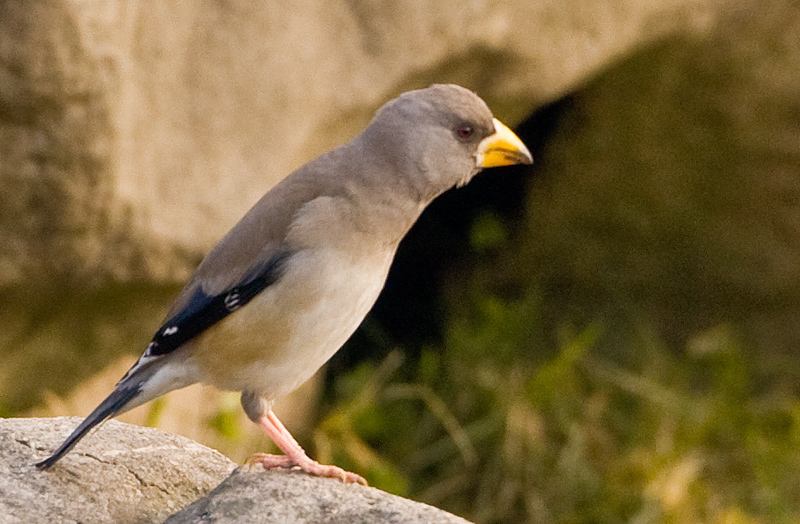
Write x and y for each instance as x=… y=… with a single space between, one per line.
x=441 y=136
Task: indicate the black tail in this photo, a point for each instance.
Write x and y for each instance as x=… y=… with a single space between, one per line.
x=112 y=405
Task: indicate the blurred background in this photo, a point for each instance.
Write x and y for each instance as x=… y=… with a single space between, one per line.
x=609 y=336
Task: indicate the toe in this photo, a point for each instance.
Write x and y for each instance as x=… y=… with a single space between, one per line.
x=270 y=461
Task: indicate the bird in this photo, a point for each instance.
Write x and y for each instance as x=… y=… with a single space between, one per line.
x=285 y=288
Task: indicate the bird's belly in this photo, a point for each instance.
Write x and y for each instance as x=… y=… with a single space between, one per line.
x=287 y=332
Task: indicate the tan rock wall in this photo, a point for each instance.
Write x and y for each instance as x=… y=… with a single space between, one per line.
x=134 y=134
x=671 y=184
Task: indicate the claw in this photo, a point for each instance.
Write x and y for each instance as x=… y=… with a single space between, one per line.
x=294 y=456
x=306 y=465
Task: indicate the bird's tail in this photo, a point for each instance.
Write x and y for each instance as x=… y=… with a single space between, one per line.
x=126 y=395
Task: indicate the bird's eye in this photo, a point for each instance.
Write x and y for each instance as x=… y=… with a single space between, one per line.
x=465 y=131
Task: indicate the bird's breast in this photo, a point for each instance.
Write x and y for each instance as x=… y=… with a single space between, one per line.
x=288 y=331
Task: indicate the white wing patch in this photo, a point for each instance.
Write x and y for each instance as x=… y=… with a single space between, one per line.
x=232 y=301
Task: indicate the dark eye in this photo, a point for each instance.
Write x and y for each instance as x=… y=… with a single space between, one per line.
x=465 y=131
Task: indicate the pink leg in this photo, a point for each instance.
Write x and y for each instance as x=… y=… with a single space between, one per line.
x=295 y=455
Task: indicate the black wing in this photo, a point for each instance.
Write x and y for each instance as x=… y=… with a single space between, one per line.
x=202 y=310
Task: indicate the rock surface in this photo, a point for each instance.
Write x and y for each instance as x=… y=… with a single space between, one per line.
x=134 y=134
x=676 y=173
x=120 y=473
x=288 y=497
x=124 y=473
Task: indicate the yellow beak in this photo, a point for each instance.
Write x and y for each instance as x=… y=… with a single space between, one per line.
x=502 y=148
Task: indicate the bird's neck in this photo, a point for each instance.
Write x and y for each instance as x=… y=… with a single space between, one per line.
x=400 y=175
x=386 y=216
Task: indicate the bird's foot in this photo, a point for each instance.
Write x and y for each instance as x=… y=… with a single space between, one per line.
x=270 y=461
x=312 y=467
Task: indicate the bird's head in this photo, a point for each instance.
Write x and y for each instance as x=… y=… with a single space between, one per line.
x=442 y=136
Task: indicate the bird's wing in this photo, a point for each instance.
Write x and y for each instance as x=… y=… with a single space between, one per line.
x=246 y=261
x=192 y=316
x=203 y=309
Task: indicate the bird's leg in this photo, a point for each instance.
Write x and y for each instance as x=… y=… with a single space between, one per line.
x=295 y=455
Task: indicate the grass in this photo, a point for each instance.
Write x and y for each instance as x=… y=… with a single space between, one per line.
x=496 y=427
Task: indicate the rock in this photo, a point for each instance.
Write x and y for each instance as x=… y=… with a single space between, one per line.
x=134 y=134
x=670 y=184
x=120 y=473
x=293 y=496
x=125 y=473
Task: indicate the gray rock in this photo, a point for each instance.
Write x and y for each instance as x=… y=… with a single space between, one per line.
x=121 y=473
x=291 y=496
x=124 y=473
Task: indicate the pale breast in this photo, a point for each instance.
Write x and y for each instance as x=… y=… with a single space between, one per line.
x=292 y=328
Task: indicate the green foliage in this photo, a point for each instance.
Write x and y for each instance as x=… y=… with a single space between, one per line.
x=226 y=421
x=155 y=412
x=488 y=232
x=499 y=426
